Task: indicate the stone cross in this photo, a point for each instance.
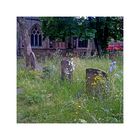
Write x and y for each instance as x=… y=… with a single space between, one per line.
x=95 y=81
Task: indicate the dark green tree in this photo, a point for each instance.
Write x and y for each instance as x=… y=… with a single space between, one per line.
x=101 y=29
x=106 y=29
x=61 y=28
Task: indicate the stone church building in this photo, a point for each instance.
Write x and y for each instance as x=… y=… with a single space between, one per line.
x=47 y=46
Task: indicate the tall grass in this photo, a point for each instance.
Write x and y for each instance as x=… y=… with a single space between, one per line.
x=51 y=100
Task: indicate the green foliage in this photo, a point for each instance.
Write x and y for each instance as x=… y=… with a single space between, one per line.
x=115 y=26
x=51 y=100
x=103 y=29
x=108 y=28
x=63 y=27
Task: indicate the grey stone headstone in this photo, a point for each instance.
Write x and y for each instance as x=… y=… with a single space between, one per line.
x=66 y=69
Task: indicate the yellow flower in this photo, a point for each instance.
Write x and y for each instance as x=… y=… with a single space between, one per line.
x=98 y=79
x=93 y=84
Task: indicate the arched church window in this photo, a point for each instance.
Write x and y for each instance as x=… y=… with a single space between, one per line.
x=36 y=37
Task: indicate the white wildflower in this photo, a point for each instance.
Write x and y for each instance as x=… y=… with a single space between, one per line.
x=82 y=121
x=72 y=64
x=67 y=71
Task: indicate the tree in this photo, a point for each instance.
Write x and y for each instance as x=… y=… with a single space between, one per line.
x=99 y=29
x=106 y=29
x=28 y=53
x=62 y=28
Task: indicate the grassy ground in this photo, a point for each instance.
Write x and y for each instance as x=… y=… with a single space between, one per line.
x=50 y=100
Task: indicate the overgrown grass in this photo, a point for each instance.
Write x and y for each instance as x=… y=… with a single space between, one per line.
x=50 y=100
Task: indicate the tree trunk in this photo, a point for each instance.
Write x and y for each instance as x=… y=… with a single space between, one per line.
x=97 y=36
x=29 y=54
x=97 y=47
x=105 y=33
x=89 y=48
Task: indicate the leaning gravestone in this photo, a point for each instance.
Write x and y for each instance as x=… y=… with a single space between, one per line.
x=66 y=69
x=95 y=81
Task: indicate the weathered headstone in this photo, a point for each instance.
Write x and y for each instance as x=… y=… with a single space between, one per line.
x=66 y=69
x=95 y=81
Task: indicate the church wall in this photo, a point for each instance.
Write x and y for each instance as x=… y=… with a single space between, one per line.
x=45 y=48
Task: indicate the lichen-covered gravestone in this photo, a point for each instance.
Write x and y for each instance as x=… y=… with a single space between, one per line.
x=95 y=81
x=66 y=69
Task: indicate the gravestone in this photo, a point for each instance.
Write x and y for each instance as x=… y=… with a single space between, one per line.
x=66 y=69
x=95 y=81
